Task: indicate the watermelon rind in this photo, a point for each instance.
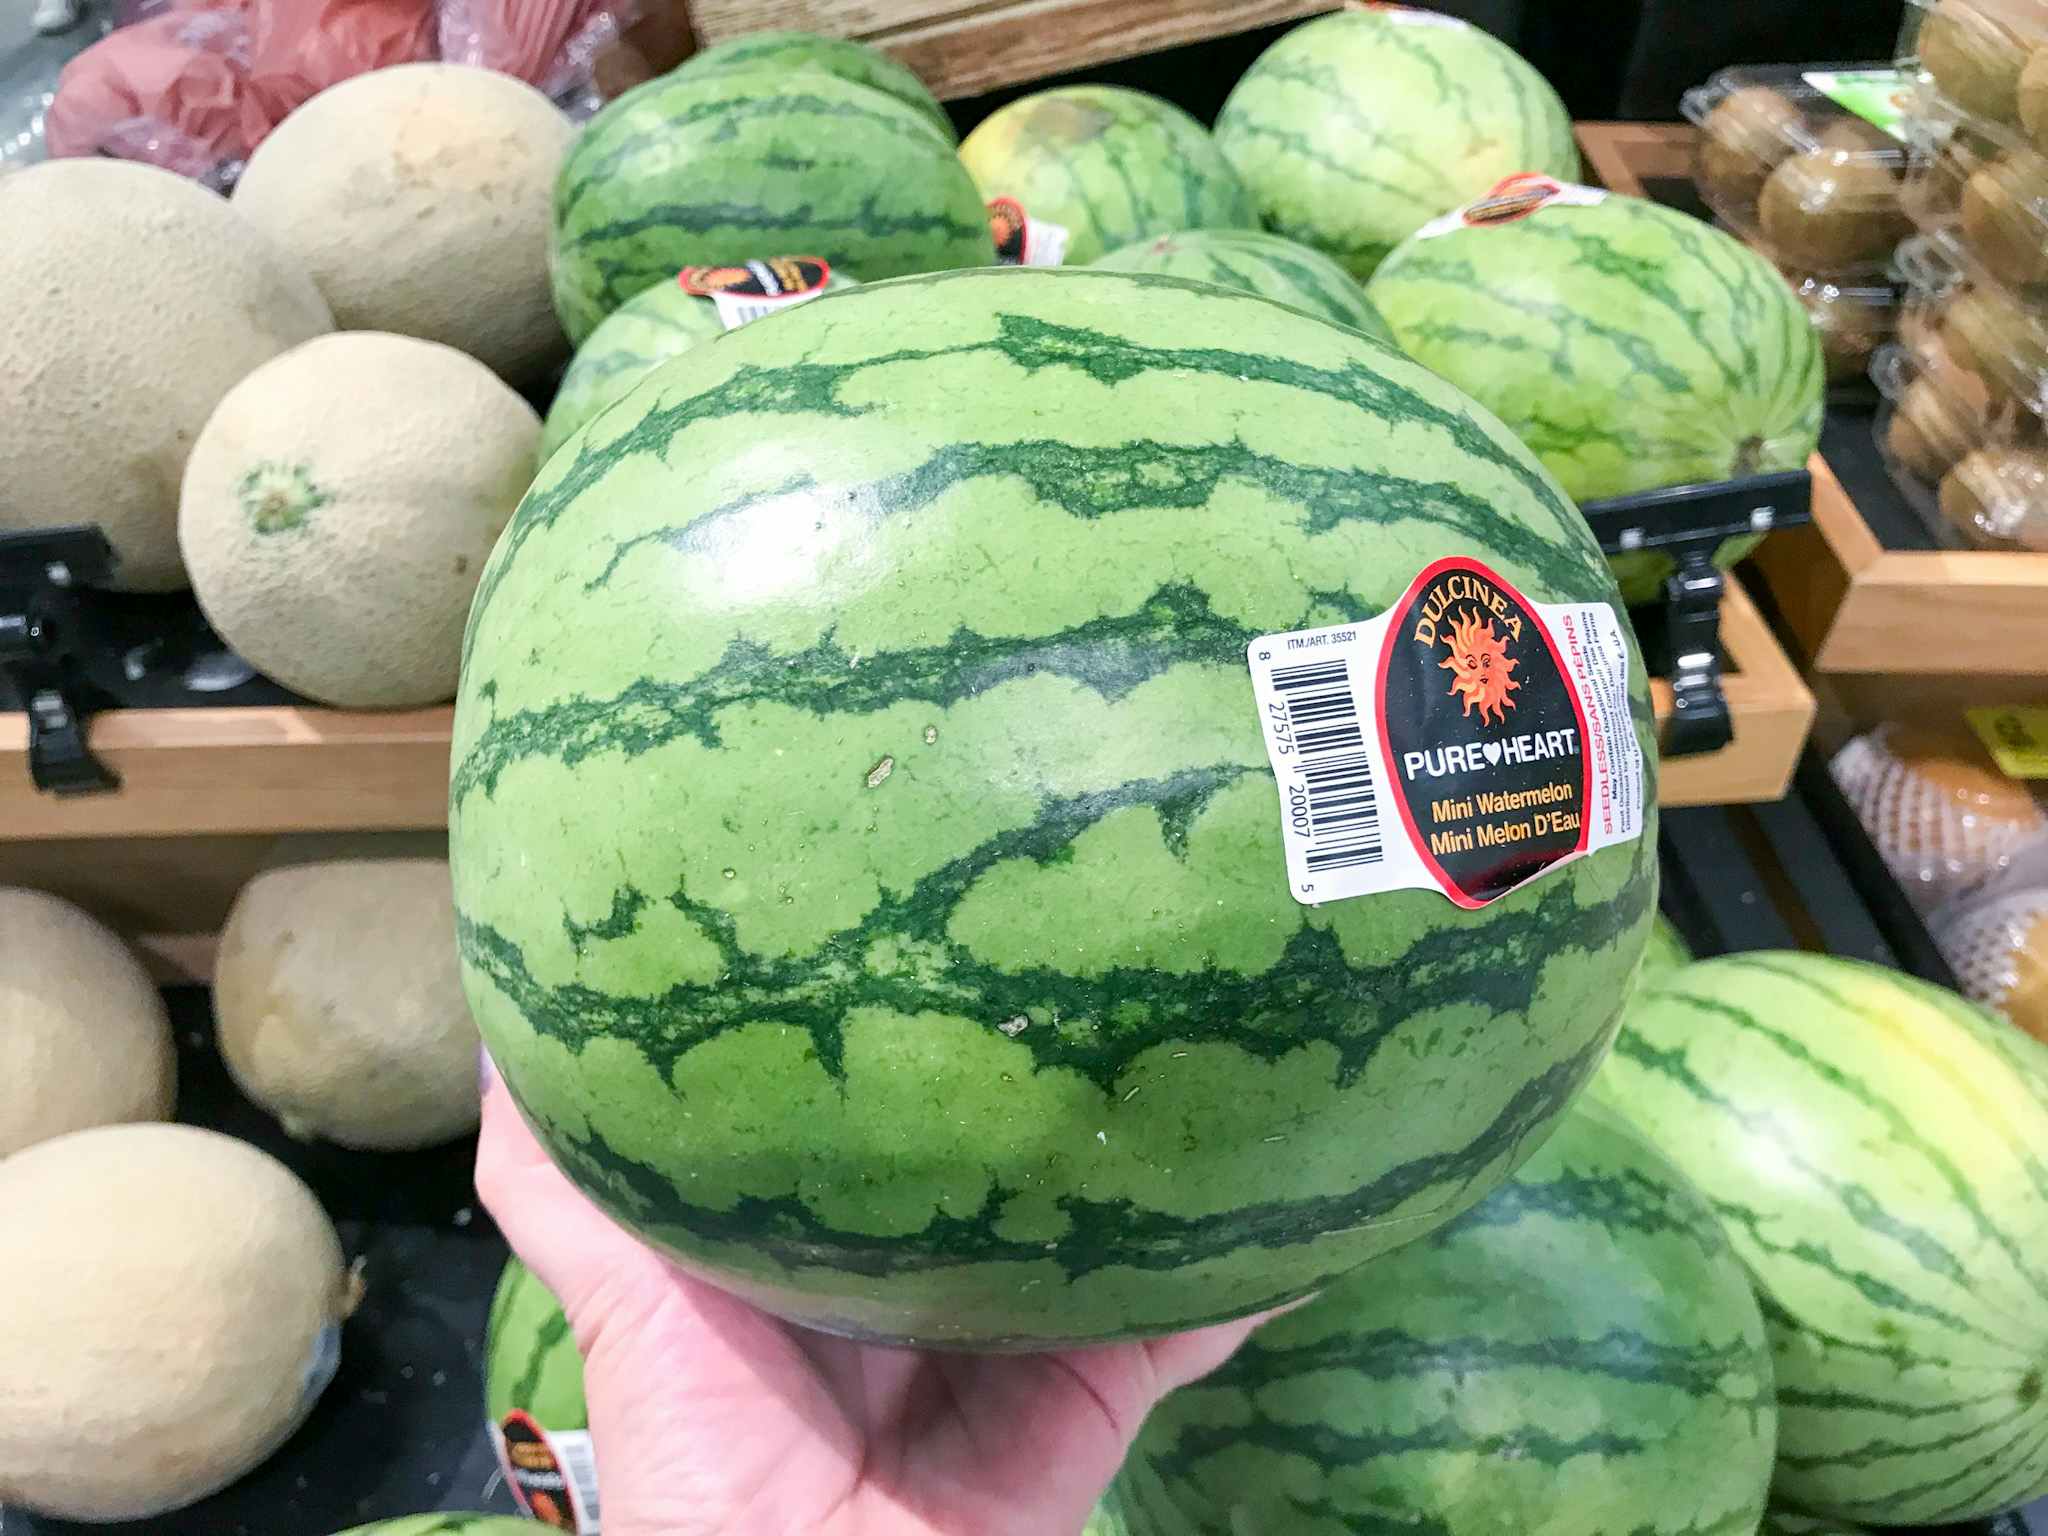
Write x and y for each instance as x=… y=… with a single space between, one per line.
x=1874 y=1148
x=1107 y=164
x=715 y=168
x=647 y=330
x=1786 y=1522
x=1354 y=130
x=530 y=1359
x=1666 y=952
x=802 y=52
x=1580 y=1352
x=867 y=861
x=1256 y=262
x=1630 y=346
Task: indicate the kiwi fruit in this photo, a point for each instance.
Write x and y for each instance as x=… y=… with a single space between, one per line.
x=1858 y=136
x=1986 y=331
x=1997 y=498
x=1742 y=141
x=1920 y=323
x=1933 y=193
x=1829 y=210
x=1976 y=62
x=1939 y=418
x=2034 y=98
x=2002 y=217
x=1850 y=322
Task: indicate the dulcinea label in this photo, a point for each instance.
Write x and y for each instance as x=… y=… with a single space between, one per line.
x=755 y=288
x=1466 y=741
x=1022 y=241
x=1513 y=197
x=552 y=1473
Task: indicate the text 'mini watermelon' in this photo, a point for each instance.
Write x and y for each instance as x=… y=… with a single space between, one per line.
x=868 y=864
x=1107 y=164
x=1580 y=1352
x=1355 y=129
x=718 y=167
x=1875 y=1149
x=1630 y=346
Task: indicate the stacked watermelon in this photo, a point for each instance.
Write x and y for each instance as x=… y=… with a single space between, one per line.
x=1580 y=1352
x=1630 y=346
x=869 y=874
x=1353 y=131
x=1255 y=262
x=1108 y=165
x=783 y=143
x=1874 y=1147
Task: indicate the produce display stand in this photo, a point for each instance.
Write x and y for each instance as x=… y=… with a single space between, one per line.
x=1864 y=592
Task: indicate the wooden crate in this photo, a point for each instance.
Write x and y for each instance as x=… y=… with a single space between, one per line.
x=1971 y=624
x=965 y=49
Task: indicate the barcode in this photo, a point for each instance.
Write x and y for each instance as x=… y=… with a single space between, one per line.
x=1343 y=806
x=579 y=1463
x=740 y=312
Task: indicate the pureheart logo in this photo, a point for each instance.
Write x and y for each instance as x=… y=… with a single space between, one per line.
x=1492 y=751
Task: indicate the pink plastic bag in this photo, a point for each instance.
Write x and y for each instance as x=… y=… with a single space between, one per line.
x=551 y=44
x=298 y=47
x=165 y=91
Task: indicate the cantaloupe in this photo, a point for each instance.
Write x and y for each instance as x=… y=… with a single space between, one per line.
x=419 y=199
x=84 y=1039
x=339 y=505
x=131 y=300
x=340 y=1005
x=170 y=1308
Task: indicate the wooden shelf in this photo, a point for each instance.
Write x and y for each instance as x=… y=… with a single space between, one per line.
x=965 y=49
x=1773 y=712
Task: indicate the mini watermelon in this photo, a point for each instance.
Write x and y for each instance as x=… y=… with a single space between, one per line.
x=868 y=864
x=1108 y=165
x=1665 y=953
x=647 y=330
x=1579 y=1353
x=1631 y=346
x=808 y=52
x=447 y=1523
x=534 y=1406
x=702 y=170
x=1256 y=262
x=1355 y=129
x=1874 y=1148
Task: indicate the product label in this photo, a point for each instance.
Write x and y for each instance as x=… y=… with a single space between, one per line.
x=1878 y=96
x=1022 y=241
x=2016 y=737
x=1513 y=197
x=1466 y=740
x=756 y=288
x=1410 y=16
x=552 y=1472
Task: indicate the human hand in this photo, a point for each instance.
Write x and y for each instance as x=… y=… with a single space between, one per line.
x=712 y=1418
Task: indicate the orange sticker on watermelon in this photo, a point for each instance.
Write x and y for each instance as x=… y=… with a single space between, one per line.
x=746 y=291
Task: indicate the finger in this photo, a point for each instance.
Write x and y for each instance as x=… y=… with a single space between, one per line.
x=563 y=1238
x=1182 y=1358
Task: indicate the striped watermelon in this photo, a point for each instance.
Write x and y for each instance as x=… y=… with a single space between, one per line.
x=704 y=170
x=1256 y=262
x=1109 y=165
x=1785 y=1522
x=1629 y=345
x=1580 y=1353
x=1665 y=953
x=1878 y=1151
x=808 y=52
x=447 y=1523
x=867 y=862
x=647 y=330
x=530 y=1360
x=1355 y=129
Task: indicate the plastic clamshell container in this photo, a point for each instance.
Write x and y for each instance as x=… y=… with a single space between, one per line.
x=1955 y=307
x=1808 y=182
x=1854 y=317
x=1984 y=58
x=1983 y=187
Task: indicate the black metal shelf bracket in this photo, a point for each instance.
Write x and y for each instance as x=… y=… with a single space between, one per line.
x=40 y=572
x=1689 y=523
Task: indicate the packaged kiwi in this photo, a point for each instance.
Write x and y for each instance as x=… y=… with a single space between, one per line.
x=1983 y=186
x=1976 y=54
x=1806 y=161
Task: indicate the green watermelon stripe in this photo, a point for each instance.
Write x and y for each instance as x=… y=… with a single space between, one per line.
x=2017 y=1473
x=785 y=1231
x=551 y=1335
x=1926 y=1252
x=1874 y=1452
x=801 y=993
x=1868 y=1211
x=1382 y=148
x=1864 y=1402
x=1033 y=344
x=1893 y=1354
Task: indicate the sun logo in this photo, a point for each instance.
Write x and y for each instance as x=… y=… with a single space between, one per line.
x=1480 y=665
